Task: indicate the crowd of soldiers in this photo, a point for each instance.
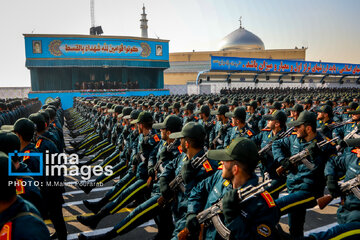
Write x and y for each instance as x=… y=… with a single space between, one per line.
x=13 y=109
x=190 y=162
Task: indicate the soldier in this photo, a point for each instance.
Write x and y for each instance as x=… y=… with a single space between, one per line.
x=207 y=122
x=240 y=127
x=295 y=112
x=150 y=208
x=276 y=125
x=304 y=185
x=221 y=128
x=18 y=218
x=189 y=115
x=25 y=129
x=255 y=219
x=348 y=214
x=52 y=194
x=325 y=118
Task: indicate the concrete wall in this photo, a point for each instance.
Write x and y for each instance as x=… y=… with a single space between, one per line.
x=14 y=92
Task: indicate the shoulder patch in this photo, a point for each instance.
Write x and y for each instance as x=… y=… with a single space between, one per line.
x=226 y=183
x=179 y=148
x=263 y=230
x=26 y=157
x=269 y=200
x=5 y=232
x=207 y=166
x=38 y=143
x=20 y=189
x=249 y=133
x=354 y=151
x=156 y=138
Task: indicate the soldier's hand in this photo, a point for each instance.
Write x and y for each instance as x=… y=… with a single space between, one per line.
x=341 y=145
x=333 y=186
x=192 y=223
x=287 y=165
x=165 y=189
x=230 y=205
x=187 y=171
x=151 y=172
x=313 y=149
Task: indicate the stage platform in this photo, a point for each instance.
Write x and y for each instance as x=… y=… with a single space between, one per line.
x=68 y=95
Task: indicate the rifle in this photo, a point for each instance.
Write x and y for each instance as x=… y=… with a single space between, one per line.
x=268 y=146
x=335 y=125
x=178 y=182
x=348 y=136
x=301 y=157
x=350 y=186
x=221 y=131
x=211 y=215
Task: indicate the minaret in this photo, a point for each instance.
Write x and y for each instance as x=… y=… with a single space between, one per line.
x=143 y=24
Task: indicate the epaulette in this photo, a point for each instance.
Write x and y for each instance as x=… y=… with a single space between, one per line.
x=26 y=157
x=268 y=199
x=156 y=138
x=179 y=148
x=38 y=143
x=207 y=166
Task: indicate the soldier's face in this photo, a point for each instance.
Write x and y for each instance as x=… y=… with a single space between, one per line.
x=355 y=117
x=301 y=131
x=164 y=136
x=320 y=116
x=271 y=124
x=227 y=171
x=183 y=145
x=293 y=114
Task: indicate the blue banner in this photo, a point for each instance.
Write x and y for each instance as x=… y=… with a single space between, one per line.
x=90 y=47
x=282 y=66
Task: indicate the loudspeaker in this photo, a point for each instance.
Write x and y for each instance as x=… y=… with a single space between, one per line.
x=207 y=78
x=267 y=78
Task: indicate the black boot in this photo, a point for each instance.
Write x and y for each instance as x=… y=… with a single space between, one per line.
x=95 y=207
x=90 y=221
x=86 y=187
x=105 y=236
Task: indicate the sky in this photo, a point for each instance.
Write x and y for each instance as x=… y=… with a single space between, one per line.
x=329 y=28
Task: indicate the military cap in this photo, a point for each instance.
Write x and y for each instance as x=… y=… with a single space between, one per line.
x=286 y=100
x=118 y=109
x=356 y=111
x=354 y=142
x=252 y=104
x=7 y=190
x=9 y=142
x=191 y=130
x=297 y=108
x=211 y=102
x=39 y=121
x=172 y=123
x=352 y=105
x=270 y=100
x=24 y=126
x=144 y=117
x=277 y=115
x=166 y=105
x=240 y=149
x=189 y=106
x=307 y=101
x=222 y=110
x=204 y=109
x=133 y=115
x=304 y=117
x=7 y=128
x=176 y=105
x=126 y=111
x=158 y=104
x=276 y=105
x=325 y=109
x=238 y=113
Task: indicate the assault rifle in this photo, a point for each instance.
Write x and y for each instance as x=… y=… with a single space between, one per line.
x=178 y=182
x=301 y=157
x=211 y=215
x=268 y=146
x=348 y=187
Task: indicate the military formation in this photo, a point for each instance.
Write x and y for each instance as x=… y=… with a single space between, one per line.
x=202 y=166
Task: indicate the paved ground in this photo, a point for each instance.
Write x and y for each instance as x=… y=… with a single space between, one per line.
x=316 y=219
